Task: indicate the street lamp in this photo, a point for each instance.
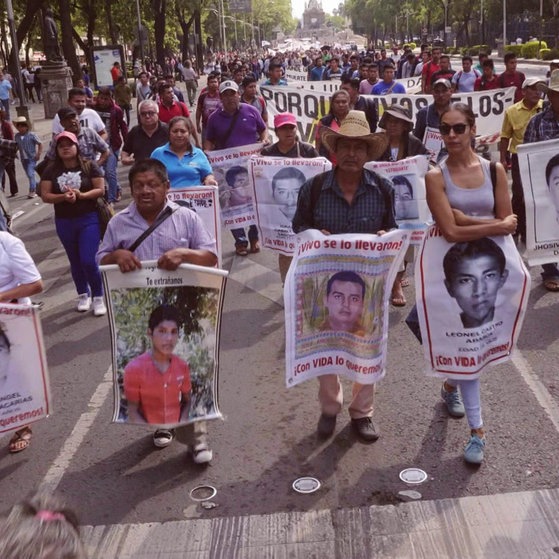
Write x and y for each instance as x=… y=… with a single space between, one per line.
x=445 y=4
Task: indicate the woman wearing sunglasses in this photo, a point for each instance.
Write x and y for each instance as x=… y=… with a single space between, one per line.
x=466 y=207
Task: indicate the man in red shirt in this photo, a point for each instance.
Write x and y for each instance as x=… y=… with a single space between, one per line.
x=488 y=80
x=169 y=107
x=429 y=68
x=510 y=77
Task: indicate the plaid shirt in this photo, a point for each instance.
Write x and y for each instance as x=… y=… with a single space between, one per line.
x=372 y=208
x=543 y=126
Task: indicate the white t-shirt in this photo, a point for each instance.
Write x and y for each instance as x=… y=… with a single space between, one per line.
x=16 y=265
x=465 y=80
x=88 y=119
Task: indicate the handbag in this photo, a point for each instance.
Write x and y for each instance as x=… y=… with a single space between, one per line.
x=105 y=212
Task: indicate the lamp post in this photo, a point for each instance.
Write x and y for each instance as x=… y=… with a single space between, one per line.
x=445 y=5
x=140 y=33
x=504 y=25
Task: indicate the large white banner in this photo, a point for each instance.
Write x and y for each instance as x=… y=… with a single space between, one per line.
x=230 y=168
x=408 y=181
x=310 y=106
x=471 y=300
x=276 y=182
x=165 y=328
x=336 y=305
x=204 y=201
x=539 y=168
x=24 y=379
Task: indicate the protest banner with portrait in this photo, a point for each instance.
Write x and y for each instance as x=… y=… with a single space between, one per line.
x=24 y=379
x=408 y=181
x=471 y=299
x=230 y=169
x=336 y=304
x=204 y=201
x=276 y=182
x=539 y=168
x=309 y=106
x=165 y=328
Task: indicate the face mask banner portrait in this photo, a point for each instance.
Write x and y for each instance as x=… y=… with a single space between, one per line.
x=471 y=299
x=165 y=331
x=276 y=182
x=204 y=201
x=336 y=304
x=230 y=169
x=24 y=379
x=539 y=169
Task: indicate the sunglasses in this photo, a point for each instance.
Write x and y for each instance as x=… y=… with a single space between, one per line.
x=458 y=129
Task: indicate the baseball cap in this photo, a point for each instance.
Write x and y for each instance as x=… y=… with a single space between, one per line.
x=442 y=81
x=66 y=112
x=68 y=135
x=529 y=82
x=228 y=85
x=283 y=119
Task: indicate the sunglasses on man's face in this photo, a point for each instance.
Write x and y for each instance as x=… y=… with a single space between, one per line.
x=445 y=129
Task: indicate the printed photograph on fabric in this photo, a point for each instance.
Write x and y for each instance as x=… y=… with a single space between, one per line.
x=405 y=199
x=234 y=187
x=165 y=341
x=474 y=272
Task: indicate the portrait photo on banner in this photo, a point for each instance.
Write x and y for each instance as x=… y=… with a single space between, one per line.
x=474 y=302
x=166 y=352
x=24 y=381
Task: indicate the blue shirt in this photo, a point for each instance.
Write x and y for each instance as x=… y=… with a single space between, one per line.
x=382 y=88
x=190 y=170
x=5 y=87
x=27 y=144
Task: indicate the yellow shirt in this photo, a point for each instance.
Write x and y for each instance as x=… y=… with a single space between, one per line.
x=515 y=123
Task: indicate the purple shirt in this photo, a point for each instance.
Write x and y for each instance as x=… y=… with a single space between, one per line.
x=246 y=131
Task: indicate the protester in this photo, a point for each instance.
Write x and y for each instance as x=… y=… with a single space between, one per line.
x=275 y=75
x=511 y=77
x=466 y=206
x=143 y=138
x=429 y=68
x=545 y=126
x=370 y=79
x=30 y=149
x=181 y=238
x=88 y=118
x=208 y=102
x=488 y=79
x=465 y=79
x=388 y=84
x=317 y=73
x=190 y=81
x=236 y=124
x=186 y=164
x=19 y=279
x=360 y=102
x=250 y=96
x=6 y=94
x=339 y=109
x=351 y=200
x=123 y=97
x=445 y=72
x=143 y=90
x=7 y=155
x=73 y=185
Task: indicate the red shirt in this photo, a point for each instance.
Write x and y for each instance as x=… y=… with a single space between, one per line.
x=176 y=109
x=507 y=79
x=426 y=74
x=483 y=84
x=158 y=395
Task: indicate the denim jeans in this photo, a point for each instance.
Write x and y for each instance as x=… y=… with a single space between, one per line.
x=80 y=237
x=6 y=105
x=29 y=168
x=241 y=237
x=110 y=175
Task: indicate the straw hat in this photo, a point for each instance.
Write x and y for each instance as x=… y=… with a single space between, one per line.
x=553 y=83
x=396 y=111
x=355 y=127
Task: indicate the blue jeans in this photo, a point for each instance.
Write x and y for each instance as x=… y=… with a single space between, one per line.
x=80 y=237
x=110 y=175
x=6 y=105
x=29 y=168
x=241 y=237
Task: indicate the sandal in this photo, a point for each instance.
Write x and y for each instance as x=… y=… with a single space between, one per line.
x=21 y=440
x=254 y=246
x=241 y=250
x=163 y=437
x=398 y=300
x=551 y=284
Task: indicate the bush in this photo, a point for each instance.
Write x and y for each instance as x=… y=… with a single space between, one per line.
x=412 y=45
x=517 y=49
x=543 y=52
x=551 y=54
x=531 y=48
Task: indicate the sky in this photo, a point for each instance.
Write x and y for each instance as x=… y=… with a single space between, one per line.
x=297 y=6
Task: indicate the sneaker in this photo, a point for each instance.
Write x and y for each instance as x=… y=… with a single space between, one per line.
x=84 y=302
x=99 y=308
x=365 y=429
x=474 y=450
x=453 y=402
x=326 y=426
x=201 y=454
x=32 y=195
x=163 y=437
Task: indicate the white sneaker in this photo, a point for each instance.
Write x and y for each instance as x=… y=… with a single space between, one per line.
x=99 y=308
x=201 y=454
x=84 y=302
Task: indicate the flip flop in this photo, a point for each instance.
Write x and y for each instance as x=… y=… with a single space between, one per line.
x=551 y=284
x=20 y=440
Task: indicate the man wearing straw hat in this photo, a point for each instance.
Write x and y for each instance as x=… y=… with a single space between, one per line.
x=348 y=199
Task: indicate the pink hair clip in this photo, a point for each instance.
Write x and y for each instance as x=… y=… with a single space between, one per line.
x=48 y=515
